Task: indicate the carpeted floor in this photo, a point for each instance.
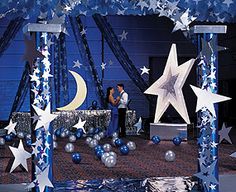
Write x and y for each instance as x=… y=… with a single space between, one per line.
x=146 y=161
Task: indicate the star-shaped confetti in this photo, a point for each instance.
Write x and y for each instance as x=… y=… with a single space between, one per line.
x=11 y=127
x=80 y=125
x=123 y=36
x=224 y=134
x=169 y=86
x=207 y=99
x=45 y=116
x=77 y=64
x=20 y=155
x=41 y=180
x=144 y=70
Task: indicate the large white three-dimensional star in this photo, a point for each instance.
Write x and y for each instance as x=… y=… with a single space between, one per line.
x=20 y=155
x=169 y=86
x=207 y=99
x=11 y=127
x=45 y=116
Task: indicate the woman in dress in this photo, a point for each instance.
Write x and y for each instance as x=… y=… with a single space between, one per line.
x=112 y=105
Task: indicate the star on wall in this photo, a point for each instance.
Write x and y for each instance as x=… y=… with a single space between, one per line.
x=144 y=70
x=169 y=86
x=20 y=156
x=11 y=127
x=123 y=36
x=103 y=66
x=77 y=64
x=80 y=125
x=224 y=134
x=207 y=99
x=83 y=32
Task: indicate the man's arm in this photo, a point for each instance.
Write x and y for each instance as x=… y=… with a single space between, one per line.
x=124 y=99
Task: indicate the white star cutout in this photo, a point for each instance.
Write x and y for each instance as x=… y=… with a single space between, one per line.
x=80 y=125
x=123 y=36
x=11 y=127
x=138 y=125
x=224 y=134
x=144 y=70
x=103 y=66
x=207 y=99
x=20 y=155
x=77 y=64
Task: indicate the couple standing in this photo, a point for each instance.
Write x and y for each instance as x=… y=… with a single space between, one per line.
x=118 y=109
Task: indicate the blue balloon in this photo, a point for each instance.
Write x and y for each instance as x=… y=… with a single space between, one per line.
x=124 y=149
x=28 y=142
x=99 y=153
x=97 y=130
x=78 y=134
x=13 y=135
x=177 y=141
x=97 y=148
x=119 y=142
x=8 y=138
x=76 y=158
x=58 y=132
x=156 y=139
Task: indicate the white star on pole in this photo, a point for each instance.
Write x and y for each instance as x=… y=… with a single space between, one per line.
x=11 y=127
x=45 y=116
x=42 y=180
x=144 y=70
x=83 y=32
x=169 y=86
x=20 y=155
x=224 y=134
x=80 y=125
x=123 y=36
x=77 y=64
x=207 y=99
x=138 y=125
x=103 y=66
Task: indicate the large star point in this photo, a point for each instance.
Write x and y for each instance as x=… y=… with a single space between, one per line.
x=169 y=86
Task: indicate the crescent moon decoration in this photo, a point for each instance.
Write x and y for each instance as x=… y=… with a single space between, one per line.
x=80 y=94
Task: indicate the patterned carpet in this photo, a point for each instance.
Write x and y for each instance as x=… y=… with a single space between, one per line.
x=146 y=161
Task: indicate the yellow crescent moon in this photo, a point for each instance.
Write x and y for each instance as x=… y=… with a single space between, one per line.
x=80 y=94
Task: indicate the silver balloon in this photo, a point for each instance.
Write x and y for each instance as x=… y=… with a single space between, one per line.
x=72 y=138
x=69 y=148
x=97 y=137
x=63 y=134
x=131 y=145
x=102 y=134
x=54 y=137
x=2 y=141
x=55 y=145
x=20 y=135
x=104 y=156
x=88 y=139
x=93 y=143
x=110 y=161
x=115 y=135
x=111 y=153
x=113 y=141
x=169 y=156
x=28 y=136
x=107 y=147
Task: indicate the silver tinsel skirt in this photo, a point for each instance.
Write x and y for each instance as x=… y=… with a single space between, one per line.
x=66 y=119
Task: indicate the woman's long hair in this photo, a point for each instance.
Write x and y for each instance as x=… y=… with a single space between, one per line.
x=108 y=93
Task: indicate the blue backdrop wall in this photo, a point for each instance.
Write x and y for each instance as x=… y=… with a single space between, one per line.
x=148 y=36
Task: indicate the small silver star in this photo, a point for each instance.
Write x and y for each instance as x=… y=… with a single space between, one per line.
x=144 y=70
x=103 y=66
x=77 y=64
x=123 y=36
